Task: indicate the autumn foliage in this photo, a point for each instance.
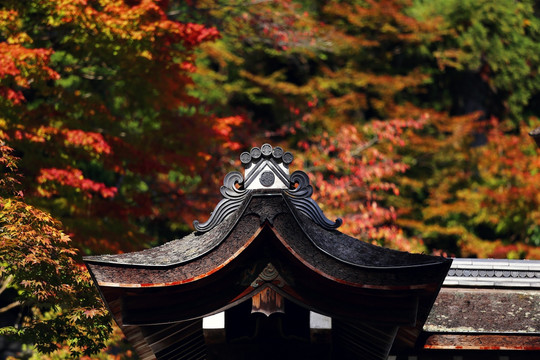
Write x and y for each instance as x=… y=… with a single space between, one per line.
x=106 y=144
x=58 y=302
x=393 y=107
x=96 y=103
x=410 y=117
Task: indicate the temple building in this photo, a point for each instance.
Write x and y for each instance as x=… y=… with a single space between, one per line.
x=268 y=276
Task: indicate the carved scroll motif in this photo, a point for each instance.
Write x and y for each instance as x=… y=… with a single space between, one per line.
x=302 y=201
x=233 y=198
x=265 y=165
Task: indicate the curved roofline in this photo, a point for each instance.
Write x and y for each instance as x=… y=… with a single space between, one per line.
x=500 y=273
x=103 y=259
x=223 y=232
x=295 y=215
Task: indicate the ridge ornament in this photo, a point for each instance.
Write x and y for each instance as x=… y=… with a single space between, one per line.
x=266 y=168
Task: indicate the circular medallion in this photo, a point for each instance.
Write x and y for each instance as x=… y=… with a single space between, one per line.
x=277 y=152
x=245 y=158
x=266 y=149
x=269 y=273
x=288 y=158
x=267 y=178
x=255 y=153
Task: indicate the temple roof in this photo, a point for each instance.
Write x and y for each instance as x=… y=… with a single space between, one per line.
x=266 y=196
x=334 y=243
x=487 y=304
x=261 y=209
x=268 y=220
x=172 y=253
x=494 y=273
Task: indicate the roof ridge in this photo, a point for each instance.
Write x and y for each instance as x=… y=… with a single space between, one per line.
x=494 y=273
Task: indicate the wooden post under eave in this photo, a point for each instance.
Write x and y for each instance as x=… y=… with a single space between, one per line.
x=267 y=302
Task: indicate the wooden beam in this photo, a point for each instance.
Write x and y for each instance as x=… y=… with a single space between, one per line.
x=482 y=342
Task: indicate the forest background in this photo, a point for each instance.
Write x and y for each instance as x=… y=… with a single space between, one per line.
x=120 y=118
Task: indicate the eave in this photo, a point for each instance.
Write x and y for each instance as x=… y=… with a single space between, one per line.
x=488 y=305
x=363 y=283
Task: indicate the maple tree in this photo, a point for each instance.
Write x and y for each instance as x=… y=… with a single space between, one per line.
x=58 y=300
x=409 y=116
x=472 y=200
x=472 y=189
x=387 y=103
x=311 y=84
x=447 y=191
x=96 y=101
x=489 y=53
x=97 y=104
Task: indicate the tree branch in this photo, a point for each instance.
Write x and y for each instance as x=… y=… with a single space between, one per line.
x=366 y=146
x=10 y=306
x=5 y=283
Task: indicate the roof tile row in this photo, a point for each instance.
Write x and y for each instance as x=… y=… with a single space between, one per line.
x=494 y=273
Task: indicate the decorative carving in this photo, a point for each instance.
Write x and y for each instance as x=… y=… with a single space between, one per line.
x=302 y=201
x=263 y=161
x=266 y=167
x=245 y=158
x=266 y=149
x=267 y=302
x=267 y=178
x=268 y=275
x=233 y=197
x=287 y=158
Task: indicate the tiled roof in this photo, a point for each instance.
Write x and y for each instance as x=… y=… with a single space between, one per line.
x=494 y=273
